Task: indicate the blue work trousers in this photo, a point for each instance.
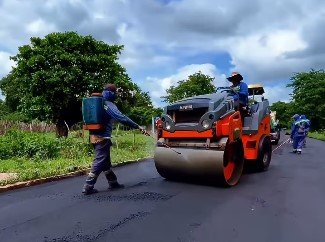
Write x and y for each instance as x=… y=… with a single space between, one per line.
x=101 y=163
x=102 y=160
x=298 y=141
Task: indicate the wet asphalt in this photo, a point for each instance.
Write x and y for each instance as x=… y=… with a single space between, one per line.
x=286 y=203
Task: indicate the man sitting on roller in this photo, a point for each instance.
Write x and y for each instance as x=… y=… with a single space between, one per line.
x=240 y=90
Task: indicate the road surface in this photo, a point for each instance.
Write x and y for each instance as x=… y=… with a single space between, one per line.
x=286 y=203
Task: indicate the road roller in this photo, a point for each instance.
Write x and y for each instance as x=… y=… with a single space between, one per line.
x=206 y=138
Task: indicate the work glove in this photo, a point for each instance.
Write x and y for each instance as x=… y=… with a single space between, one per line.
x=143 y=131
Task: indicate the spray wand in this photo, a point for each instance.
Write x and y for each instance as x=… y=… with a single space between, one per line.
x=143 y=131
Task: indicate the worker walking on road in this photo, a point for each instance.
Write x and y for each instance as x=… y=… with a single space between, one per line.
x=294 y=119
x=303 y=118
x=298 y=133
x=101 y=141
x=240 y=89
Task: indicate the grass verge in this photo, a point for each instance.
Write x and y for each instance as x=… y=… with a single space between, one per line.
x=320 y=135
x=23 y=155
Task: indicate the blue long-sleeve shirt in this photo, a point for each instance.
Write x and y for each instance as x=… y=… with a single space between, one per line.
x=242 y=94
x=113 y=113
x=300 y=127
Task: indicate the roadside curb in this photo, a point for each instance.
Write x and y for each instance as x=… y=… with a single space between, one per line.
x=40 y=181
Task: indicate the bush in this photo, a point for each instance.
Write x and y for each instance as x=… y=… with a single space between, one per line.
x=73 y=148
x=317 y=135
x=34 y=155
x=17 y=143
x=15 y=117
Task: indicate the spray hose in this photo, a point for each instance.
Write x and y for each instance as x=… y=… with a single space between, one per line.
x=160 y=142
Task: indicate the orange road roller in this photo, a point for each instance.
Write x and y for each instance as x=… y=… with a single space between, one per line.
x=205 y=138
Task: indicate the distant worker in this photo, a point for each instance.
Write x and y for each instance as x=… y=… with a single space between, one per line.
x=294 y=119
x=101 y=141
x=298 y=132
x=304 y=118
x=240 y=89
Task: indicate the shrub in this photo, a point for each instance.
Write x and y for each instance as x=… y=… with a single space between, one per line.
x=317 y=135
x=18 y=143
x=15 y=117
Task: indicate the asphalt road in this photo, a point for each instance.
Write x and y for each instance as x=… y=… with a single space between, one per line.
x=286 y=203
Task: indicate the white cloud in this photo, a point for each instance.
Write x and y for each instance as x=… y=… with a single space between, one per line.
x=5 y=66
x=277 y=93
x=6 y=63
x=267 y=40
x=39 y=27
x=157 y=86
x=262 y=56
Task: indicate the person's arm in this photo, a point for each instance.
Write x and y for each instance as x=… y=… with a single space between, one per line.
x=113 y=111
x=234 y=92
x=243 y=91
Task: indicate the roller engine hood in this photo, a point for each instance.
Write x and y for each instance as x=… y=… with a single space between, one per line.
x=189 y=113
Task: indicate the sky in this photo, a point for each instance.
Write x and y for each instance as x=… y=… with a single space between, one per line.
x=165 y=41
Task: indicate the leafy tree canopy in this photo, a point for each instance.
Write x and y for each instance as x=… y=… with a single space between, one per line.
x=3 y=109
x=308 y=96
x=53 y=74
x=143 y=110
x=284 y=112
x=196 y=84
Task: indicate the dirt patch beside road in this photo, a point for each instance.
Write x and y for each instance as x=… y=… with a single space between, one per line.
x=8 y=176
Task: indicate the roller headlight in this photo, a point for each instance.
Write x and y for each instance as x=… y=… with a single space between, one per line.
x=167 y=125
x=205 y=124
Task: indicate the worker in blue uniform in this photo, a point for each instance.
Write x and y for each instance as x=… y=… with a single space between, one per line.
x=294 y=119
x=101 y=141
x=298 y=132
x=307 y=124
x=240 y=90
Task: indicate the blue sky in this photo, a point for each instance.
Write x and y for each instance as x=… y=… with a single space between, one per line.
x=168 y=40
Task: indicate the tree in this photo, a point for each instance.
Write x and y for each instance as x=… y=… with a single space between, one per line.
x=143 y=110
x=3 y=109
x=308 y=96
x=196 y=84
x=284 y=112
x=54 y=73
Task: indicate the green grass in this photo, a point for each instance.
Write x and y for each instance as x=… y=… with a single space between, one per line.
x=39 y=155
x=320 y=135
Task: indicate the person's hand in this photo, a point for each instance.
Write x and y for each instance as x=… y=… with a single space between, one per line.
x=235 y=89
x=143 y=131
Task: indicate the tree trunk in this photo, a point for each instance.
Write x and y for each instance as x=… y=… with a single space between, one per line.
x=61 y=129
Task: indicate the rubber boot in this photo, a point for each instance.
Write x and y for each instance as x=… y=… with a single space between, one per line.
x=112 y=180
x=88 y=188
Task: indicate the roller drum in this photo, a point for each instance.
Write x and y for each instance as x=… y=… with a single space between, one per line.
x=222 y=167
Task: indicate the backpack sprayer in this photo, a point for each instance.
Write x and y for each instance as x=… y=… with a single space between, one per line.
x=93 y=116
